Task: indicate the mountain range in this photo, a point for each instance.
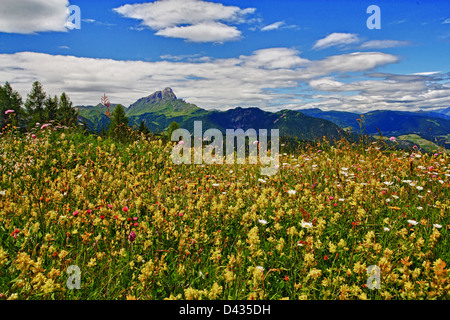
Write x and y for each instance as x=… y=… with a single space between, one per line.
x=161 y=108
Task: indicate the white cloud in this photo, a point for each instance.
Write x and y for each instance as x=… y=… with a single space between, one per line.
x=380 y=44
x=260 y=79
x=351 y=62
x=446 y=21
x=279 y=25
x=273 y=26
x=275 y=58
x=32 y=16
x=193 y=20
x=336 y=39
x=202 y=32
x=428 y=73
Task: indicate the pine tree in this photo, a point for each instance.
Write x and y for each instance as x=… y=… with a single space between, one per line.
x=68 y=115
x=35 y=104
x=119 y=123
x=10 y=100
x=51 y=109
x=173 y=126
x=143 y=128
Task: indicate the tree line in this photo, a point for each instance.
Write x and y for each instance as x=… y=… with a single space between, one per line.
x=38 y=108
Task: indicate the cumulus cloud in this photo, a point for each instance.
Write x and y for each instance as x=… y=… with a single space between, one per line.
x=32 y=16
x=202 y=32
x=268 y=78
x=192 y=20
x=336 y=39
x=352 y=62
x=275 y=58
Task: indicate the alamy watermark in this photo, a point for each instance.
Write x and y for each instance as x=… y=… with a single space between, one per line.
x=74 y=17
x=374 y=280
x=213 y=153
x=74 y=279
x=374 y=21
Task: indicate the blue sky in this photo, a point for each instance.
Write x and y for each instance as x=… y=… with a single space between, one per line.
x=222 y=54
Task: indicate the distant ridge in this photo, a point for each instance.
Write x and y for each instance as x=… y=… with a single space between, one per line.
x=161 y=108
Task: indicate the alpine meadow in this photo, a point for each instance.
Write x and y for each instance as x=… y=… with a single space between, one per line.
x=347 y=104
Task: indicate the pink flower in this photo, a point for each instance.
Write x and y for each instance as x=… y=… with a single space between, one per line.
x=135 y=218
x=110 y=206
x=89 y=211
x=181 y=142
x=44 y=126
x=9 y=111
x=132 y=236
x=331 y=198
x=392 y=138
x=33 y=136
x=125 y=209
x=75 y=213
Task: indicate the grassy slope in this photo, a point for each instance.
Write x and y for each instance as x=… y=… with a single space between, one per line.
x=208 y=231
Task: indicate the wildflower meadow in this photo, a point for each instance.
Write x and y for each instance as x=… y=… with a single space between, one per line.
x=134 y=225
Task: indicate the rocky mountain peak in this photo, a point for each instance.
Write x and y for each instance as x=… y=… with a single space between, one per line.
x=167 y=93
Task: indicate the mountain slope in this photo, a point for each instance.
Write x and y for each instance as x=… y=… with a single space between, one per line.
x=388 y=122
x=161 y=102
x=159 y=109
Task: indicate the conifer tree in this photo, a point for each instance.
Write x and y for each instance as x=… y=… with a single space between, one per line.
x=119 y=123
x=51 y=109
x=10 y=100
x=68 y=116
x=35 y=104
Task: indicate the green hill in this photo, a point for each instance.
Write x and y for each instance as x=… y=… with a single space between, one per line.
x=161 y=108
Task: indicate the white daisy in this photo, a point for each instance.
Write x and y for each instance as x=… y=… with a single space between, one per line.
x=306 y=225
x=413 y=222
